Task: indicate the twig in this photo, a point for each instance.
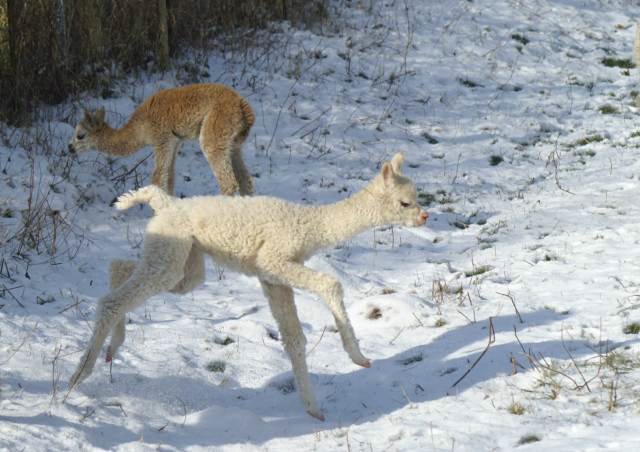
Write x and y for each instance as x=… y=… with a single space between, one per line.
x=54 y=378
x=542 y=362
x=527 y=354
x=24 y=340
x=513 y=302
x=118 y=404
x=275 y=127
x=135 y=167
x=492 y=339
x=88 y=413
x=396 y=336
x=4 y=270
x=316 y=344
x=453 y=181
x=553 y=159
x=184 y=407
x=465 y=316
x=564 y=346
x=8 y=290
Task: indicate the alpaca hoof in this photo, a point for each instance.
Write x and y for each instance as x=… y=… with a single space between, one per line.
x=317 y=414
x=361 y=361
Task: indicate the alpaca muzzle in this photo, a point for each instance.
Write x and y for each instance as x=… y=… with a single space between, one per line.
x=422 y=218
x=71 y=149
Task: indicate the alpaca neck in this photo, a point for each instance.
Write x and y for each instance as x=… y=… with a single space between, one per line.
x=123 y=141
x=340 y=221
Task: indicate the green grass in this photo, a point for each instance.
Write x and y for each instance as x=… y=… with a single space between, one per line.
x=440 y=323
x=608 y=109
x=634 y=134
x=516 y=408
x=469 y=83
x=528 y=439
x=631 y=328
x=426 y=199
x=624 y=63
x=589 y=139
x=224 y=341
x=495 y=160
x=440 y=197
x=411 y=359
x=478 y=270
x=430 y=139
x=216 y=366
x=621 y=361
x=374 y=314
x=587 y=153
x=520 y=38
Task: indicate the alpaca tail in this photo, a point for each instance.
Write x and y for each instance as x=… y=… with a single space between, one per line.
x=153 y=195
x=247 y=114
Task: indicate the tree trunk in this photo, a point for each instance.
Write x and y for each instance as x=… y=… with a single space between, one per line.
x=163 y=35
x=60 y=24
x=14 y=11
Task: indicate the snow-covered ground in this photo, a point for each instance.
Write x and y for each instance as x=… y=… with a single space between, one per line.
x=524 y=145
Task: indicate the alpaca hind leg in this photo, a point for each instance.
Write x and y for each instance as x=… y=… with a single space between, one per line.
x=284 y=311
x=240 y=170
x=193 y=272
x=119 y=272
x=155 y=274
x=216 y=142
x=329 y=290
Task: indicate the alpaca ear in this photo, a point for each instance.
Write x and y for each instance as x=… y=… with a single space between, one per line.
x=387 y=173
x=396 y=162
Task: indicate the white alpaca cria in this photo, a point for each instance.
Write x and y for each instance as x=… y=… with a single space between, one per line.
x=262 y=236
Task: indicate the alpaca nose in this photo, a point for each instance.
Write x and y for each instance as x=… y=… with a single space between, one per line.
x=423 y=217
x=71 y=149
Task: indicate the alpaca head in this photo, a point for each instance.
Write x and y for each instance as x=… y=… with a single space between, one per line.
x=398 y=196
x=84 y=138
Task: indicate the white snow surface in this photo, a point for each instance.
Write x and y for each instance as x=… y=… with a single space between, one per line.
x=553 y=227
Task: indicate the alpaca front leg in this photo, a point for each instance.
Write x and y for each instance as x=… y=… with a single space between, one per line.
x=160 y=176
x=165 y=151
x=327 y=288
x=333 y=296
x=283 y=309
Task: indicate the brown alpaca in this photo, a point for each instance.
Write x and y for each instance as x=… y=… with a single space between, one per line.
x=214 y=114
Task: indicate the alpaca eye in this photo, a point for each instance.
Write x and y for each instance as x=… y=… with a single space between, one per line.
x=81 y=136
x=405 y=204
